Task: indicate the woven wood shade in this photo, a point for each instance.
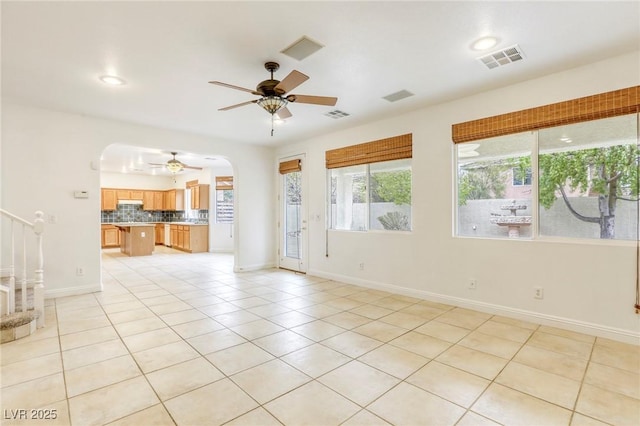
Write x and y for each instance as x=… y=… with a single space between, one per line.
x=603 y=105
x=224 y=182
x=395 y=148
x=290 y=166
x=192 y=183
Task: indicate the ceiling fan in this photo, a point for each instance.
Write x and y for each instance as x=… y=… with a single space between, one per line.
x=273 y=93
x=175 y=166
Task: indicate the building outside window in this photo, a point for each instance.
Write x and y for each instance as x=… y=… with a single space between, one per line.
x=586 y=182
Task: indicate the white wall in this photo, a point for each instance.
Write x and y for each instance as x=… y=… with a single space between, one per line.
x=135 y=181
x=46 y=155
x=587 y=287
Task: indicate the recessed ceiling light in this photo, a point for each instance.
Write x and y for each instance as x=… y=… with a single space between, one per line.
x=112 y=80
x=484 y=43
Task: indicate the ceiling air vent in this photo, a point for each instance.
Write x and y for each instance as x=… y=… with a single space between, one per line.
x=302 y=48
x=502 y=57
x=398 y=95
x=336 y=114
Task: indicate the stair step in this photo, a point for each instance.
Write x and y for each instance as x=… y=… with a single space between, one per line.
x=18 y=325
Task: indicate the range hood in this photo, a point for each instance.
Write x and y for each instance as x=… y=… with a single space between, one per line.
x=135 y=202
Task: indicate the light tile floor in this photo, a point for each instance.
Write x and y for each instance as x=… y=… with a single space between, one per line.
x=180 y=339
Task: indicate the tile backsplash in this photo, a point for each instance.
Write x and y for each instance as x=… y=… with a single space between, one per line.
x=134 y=213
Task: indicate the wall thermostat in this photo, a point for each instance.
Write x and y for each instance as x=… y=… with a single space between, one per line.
x=80 y=194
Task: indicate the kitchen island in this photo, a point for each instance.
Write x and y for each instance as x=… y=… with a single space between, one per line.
x=136 y=239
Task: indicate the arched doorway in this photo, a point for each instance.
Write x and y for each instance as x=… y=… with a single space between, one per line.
x=139 y=186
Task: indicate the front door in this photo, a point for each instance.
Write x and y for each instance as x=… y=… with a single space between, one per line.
x=293 y=223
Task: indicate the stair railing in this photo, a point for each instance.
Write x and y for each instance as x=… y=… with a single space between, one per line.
x=38 y=278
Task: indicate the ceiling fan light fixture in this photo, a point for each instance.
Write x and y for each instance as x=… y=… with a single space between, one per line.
x=272 y=104
x=174 y=166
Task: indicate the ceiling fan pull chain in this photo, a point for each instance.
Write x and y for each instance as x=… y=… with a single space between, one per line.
x=271 y=125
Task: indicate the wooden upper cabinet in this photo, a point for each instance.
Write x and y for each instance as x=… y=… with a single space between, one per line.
x=108 y=200
x=179 y=199
x=158 y=200
x=200 y=197
x=130 y=194
x=148 y=201
x=123 y=194
x=168 y=196
x=174 y=199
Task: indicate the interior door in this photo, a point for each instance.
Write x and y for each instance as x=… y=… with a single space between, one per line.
x=293 y=223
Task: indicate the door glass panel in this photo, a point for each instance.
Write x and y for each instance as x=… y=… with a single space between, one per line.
x=292 y=214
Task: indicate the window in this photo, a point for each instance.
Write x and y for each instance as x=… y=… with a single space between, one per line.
x=589 y=179
x=492 y=198
x=224 y=199
x=390 y=195
x=349 y=198
x=370 y=185
x=587 y=182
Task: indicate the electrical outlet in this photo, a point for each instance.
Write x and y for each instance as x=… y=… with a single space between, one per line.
x=473 y=284
x=361 y=266
x=80 y=271
x=538 y=293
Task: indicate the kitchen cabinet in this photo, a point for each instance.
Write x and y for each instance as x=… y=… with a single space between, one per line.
x=200 y=197
x=159 y=233
x=148 y=202
x=174 y=199
x=158 y=200
x=110 y=236
x=130 y=194
x=174 y=235
x=108 y=200
x=137 y=239
x=153 y=200
x=190 y=238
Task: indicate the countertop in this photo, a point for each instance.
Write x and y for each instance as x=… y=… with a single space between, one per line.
x=130 y=224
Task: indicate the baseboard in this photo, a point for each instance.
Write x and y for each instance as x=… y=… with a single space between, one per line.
x=72 y=291
x=613 y=333
x=254 y=267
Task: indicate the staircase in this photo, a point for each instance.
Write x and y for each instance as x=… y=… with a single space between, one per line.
x=22 y=281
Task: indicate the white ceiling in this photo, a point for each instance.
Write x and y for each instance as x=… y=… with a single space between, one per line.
x=54 y=52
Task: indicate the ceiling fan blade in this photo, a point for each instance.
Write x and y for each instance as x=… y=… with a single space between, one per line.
x=237 y=105
x=283 y=113
x=290 y=82
x=231 y=86
x=316 y=100
x=156 y=164
x=192 y=167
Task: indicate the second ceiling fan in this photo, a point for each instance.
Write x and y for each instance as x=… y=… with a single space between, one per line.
x=273 y=93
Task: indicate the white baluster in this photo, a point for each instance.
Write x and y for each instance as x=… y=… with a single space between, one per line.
x=38 y=288
x=12 y=271
x=24 y=268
